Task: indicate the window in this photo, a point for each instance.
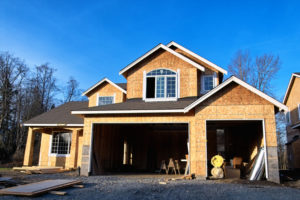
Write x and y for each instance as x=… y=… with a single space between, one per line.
x=207 y=83
x=61 y=142
x=288 y=117
x=161 y=84
x=105 y=100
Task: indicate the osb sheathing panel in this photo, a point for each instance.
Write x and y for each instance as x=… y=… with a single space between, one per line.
x=162 y=59
x=293 y=100
x=71 y=161
x=207 y=66
x=232 y=103
x=105 y=89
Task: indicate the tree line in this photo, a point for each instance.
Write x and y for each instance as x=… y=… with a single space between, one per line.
x=24 y=94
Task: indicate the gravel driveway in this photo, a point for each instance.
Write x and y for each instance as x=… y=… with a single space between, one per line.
x=148 y=187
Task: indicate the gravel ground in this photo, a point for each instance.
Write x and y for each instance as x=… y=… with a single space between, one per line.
x=148 y=187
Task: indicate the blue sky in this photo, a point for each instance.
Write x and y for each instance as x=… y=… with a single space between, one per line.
x=94 y=39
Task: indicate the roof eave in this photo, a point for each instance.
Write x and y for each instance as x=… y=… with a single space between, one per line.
x=99 y=83
x=220 y=69
x=289 y=85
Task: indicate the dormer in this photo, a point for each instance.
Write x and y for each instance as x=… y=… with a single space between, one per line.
x=106 y=92
x=166 y=73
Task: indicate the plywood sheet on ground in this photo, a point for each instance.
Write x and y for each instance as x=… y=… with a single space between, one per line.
x=38 y=188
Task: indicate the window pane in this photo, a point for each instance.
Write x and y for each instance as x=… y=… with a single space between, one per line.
x=161 y=72
x=208 y=83
x=171 y=86
x=61 y=143
x=105 y=100
x=150 y=90
x=160 y=87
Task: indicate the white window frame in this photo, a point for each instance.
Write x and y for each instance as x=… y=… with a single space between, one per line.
x=203 y=91
x=69 y=146
x=114 y=98
x=165 y=86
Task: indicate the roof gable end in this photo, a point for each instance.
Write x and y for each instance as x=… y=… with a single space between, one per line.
x=294 y=75
x=101 y=82
x=161 y=46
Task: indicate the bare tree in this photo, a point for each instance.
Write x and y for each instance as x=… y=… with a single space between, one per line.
x=12 y=74
x=241 y=65
x=259 y=73
x=71 y=91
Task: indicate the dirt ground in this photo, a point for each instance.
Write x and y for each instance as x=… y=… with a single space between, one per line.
x=147 y=187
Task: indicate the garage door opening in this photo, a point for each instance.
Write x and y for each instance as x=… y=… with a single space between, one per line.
x=238 y=142
x=137 y=148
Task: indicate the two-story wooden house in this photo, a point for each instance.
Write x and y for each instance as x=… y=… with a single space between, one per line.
x=292 y=101
x=175 y=103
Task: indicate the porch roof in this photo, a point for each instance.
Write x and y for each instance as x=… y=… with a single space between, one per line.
x=59 y=116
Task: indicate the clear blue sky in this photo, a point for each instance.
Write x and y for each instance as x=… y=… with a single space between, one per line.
x=91 y=40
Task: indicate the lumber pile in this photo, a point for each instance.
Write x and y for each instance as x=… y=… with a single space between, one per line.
x=40 y=170
x=41 y=187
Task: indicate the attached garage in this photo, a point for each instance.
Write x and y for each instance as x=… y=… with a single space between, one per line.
x=234 y=140
x=137 y=148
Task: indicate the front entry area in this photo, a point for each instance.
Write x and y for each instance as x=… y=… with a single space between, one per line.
x=238 y=142
x=137 y=148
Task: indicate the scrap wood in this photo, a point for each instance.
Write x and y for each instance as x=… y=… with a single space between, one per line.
x=38 y=188
x=57 y=192
x=189 y=177
x=78 y=186
x=162 y=183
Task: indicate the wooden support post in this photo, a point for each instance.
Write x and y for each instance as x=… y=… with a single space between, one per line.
x=28 y=156
x=74 y=149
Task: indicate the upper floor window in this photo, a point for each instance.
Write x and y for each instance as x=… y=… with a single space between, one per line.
x=61 y=143
x=104 y=100
x=208 y=83
x=161 y=84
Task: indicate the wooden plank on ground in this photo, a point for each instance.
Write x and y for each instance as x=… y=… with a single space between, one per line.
x=57 y=192
x=38 y=188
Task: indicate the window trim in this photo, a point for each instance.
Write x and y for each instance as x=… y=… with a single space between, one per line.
x=203 y=82
x=113 y=96
x=165 y=86
x=50 y=145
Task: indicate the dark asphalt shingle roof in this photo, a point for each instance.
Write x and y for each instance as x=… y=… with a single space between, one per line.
x=60 y=115
x=140 y=104
x=122 y=85
x=298 y=73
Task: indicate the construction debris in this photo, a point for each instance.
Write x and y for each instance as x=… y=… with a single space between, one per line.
x=40 y=170
x=162 y=183
x=61 y=193
x=7 y=182
x=38 y=188
x=189 y=177
x=258 y=167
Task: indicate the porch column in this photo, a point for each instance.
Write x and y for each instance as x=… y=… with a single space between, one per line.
x=74 y=149
x=28 y=155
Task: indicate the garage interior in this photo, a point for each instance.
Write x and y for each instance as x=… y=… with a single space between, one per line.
x=137 y=148
x=234 y=140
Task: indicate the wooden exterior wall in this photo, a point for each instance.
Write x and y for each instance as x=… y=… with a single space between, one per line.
x=162 y=59
x=293 y=100
x=292 y=103
x=73 y=160
x=105 y=89
x=232 y=103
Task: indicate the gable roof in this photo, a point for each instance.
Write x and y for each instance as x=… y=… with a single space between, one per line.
x=119 y=86
x=182 y=105
x=161 y=46
x=59 y=116
x=197 y=56
x=294 y=75
x=242 y=83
